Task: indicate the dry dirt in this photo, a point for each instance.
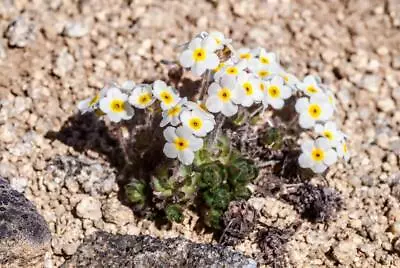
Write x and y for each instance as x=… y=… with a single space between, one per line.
x=54 y=53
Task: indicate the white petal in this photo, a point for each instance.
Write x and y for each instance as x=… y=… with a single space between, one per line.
x=286 y=92
x=128 y=85
x=330 y=157
x=306 y=121
x=186 y=157
x=323 y=143
x=331 y=126
x=212 y=61
x=227 y=81
x=170 y=134
x=185 y=116
x=276 y=103
x=195 y=144
x=229 y=109
x=114 y=117
x=307 y=146
x=199 y=68
x=327 y=111
x=186 y=58
x=159 y=85
x=213 y=88
x=208 y=125
x=213 y=104
x=170 y=151
x=105 y=105
x=319 y=168
x=209 y=43
x=164 y=121
x=184 y=132
x=302 y=105
x=305 y=161
x=319 y=128
x=195 y=43
x=84 y=104
x=278 y=81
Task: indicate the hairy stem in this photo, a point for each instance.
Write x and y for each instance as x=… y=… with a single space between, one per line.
x=204 y=84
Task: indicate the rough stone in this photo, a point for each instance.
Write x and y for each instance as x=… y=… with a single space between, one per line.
x=75 y=29
x=115 y=212
x=64 y=63
x=89 y=208
x=107 y=250
x=24 y=234
x=21 y=32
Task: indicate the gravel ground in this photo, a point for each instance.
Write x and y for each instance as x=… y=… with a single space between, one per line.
x=54 y=53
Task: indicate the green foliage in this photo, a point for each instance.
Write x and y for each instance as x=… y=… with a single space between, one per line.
x=174 y=213
x=219 y=175
x=273 y=138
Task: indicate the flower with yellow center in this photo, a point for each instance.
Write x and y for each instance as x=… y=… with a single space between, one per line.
x=223 y=96
x=200 y=55
x=330 y=132
x=264 y=58
x=219 y=39
x=165 y=95
x=230 y=69
x=245 y=55
x=141 y=97
x=342 y=150
x=115 y=105
x=92 y=104
x=198 y=124
x=313 y=110
x=181 y=144
x=247 y=89
x=276 y=92
x=317 y=155
x=171 y=116
x=310 y=85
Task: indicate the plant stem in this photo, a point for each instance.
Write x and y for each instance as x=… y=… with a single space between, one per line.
x=204 y=84
x=123 y=136
x=256 y=111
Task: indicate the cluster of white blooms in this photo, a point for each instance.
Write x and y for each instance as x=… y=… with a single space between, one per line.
x=232 y=78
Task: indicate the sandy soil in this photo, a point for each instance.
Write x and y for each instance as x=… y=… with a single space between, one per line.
x=55 y=53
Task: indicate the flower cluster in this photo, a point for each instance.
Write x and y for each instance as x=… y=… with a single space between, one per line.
x=231 y=79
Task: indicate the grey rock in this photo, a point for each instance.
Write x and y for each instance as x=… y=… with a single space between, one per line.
x=20 y=32
x=24 y=234
x=107 y=250
x=75 y=29
x=64 y=63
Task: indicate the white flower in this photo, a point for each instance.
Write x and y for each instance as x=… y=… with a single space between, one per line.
x=115 y=105
x=330 y=132
x=165 y=95
x=198 y=124
x=342 y=150
x=172 y=114
x=200 y=108
x=310 y=85
x=200 y=55
x=317 y=155
x=248 y=92
x=245 y=55
x=222 y=97
x=264 y=57
x=92 y=103
x=219 y=39
x=127 y=86
x=289 y=78
x=230 y=69
x=141 y=97
x=181 y=143
x=264 y=71
x=313 y=110
x=276 y=92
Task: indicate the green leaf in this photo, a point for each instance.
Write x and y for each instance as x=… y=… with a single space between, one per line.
x=136 y=192
x=273 y=138
x=212 y=218
x=174 y=213
x=212 y=175
x=241 y=171
x=218 y=198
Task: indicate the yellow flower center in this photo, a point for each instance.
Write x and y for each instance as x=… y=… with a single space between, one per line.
x=263 y=73
x=144 y=99
x=174 y=111
x=274 y=92
x=317 y=154
x=311 y=89
x=262 y=87
x=245 y=56
x=331 y=99
x=224 y=94
x=232 y=70
x=345 y=148
x=181 y=143
x=166 y=97
x=286 y=78
x=117 y=105
x=203 y=107
x=218 y=41
x=199 y=54
x=219 y=67
x=195 y=123
x=315 y=111
x=328 y=134
x=248 y=88
x=94 y=100
x=264 y=60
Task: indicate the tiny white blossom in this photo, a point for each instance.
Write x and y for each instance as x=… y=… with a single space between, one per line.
x=276 y=92
x=264 y=71
x=141 y=97
x=310 y=85
x=317 y=155
x=342 y=150
x=223 y=96
x=182 y=144
x=165 y=95
x=200 y=108
x=171 y=116
x=92 y=103
x=264 y=57
x=248 y=92
x=330 y=132
x=245 y=55
x=313 y=110
x=219 y=39
x=197 y=123
x=200 y=56
x=115 y=105
x=230 y=69
x=127 y=86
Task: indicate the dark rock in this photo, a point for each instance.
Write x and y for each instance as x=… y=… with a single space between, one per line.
x=107 y=250
x=24 y=234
